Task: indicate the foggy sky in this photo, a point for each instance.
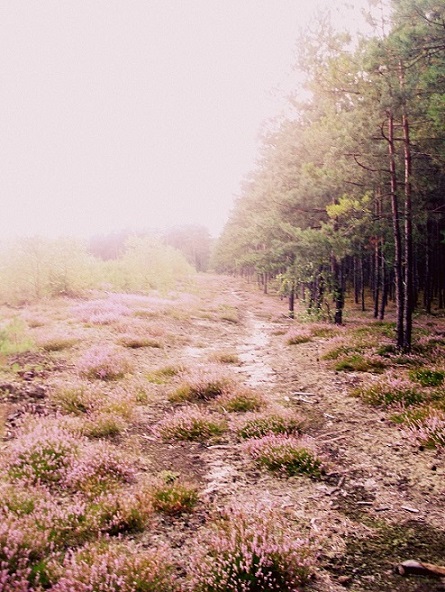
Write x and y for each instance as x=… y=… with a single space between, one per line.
x=135 y=113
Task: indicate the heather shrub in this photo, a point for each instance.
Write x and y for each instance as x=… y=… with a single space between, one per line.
x=56 y=342
x=285 y=454
x=99 y=468
x=76 y=398
x=103 y=425
x=202 y=384
x=174 y=496
x=164 y=374
x=104 y=362
x=390 y=391
x=428 y=431
x=118 y=512
x=297 y=335
x=18 y=557
x=241 y=400
x=251 y=549
x=229 y=314
x=43 y=454
x=360 y=363
x=115 y=567
x=224 y=357
x=427 y=377
x=274 y=423
x=100 y=312
x=139 y=341
x=190 y=424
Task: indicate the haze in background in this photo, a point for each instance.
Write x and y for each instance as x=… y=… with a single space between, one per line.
x=137 y=113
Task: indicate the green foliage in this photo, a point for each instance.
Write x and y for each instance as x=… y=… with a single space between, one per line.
x=427 y=377
x=390 y=392
x=272 y=423
x=174 y=496
x=36 y=268
x=14 y=338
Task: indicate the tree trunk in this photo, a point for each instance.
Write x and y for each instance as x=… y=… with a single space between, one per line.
x=408 y=238
x=292 y=302
x=398 y=261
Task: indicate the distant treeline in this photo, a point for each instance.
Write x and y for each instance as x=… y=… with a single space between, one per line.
x=35 y=268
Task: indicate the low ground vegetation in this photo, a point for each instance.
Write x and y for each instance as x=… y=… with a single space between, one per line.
x=209 y=462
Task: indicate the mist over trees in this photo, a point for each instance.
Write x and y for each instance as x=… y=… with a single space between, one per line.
x=348 y=196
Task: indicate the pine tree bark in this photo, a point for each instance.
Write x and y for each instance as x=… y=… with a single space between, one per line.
x=398 y=258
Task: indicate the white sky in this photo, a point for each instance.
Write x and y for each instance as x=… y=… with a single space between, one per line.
x=136 y=113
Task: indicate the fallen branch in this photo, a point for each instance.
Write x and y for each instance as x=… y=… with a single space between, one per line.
x=416 y=568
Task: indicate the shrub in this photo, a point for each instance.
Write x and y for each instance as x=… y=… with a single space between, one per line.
x=138 y=341
x=285 y=454
x=297 y=335
x=119 y=512
x=164 y=374
x=104 y=362
x=43 y=455
x=77 y=398
x=126 y=568
x=101 y=312
x=190 y=424
x=174 y=496
x=202 y=384
x=389 y=391
x=241 y=400
x=225 y=358
x=274 y=423
x=427 y=377
x=103 y=425
x=429 y=431
x=253 y=550
x=229 y=314
x=14 y=339
x=360 y=363
x=57 y=342
x=100 y=467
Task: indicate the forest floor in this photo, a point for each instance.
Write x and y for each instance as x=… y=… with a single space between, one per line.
x=381 y=497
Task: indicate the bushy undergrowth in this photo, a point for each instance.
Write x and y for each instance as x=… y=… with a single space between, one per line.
x=284 y=454
x=174 y=496
x=115 y=567
x=427 y=377
x=202 y=384
x=35 y=268
x=225 y=357
x=428 y=431
x=14 y=338
x=251 y=549
x=190 y=424
x=272 y=423
x=240 y=400
x=297 y=335
x=164 y=374
x=105 y=363
x=390 y=391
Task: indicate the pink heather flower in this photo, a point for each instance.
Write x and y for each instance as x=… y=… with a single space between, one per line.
x=126 y=568
x=285 y=453
x=251 y=548
x=98 y=467
x=43 y=454
x=191 y=423
x=429 y=431
x=100 y=312
x=104 y=362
